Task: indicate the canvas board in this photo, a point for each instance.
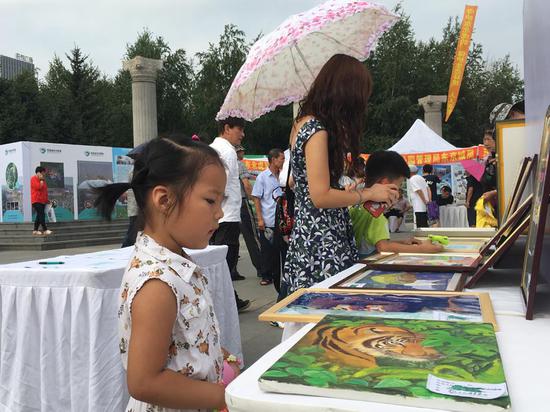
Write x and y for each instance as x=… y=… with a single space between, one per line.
x=310 y=305
x=511 y=137
x=395 y=361
x=439 y=262
x=537 y=224
x=401 y=280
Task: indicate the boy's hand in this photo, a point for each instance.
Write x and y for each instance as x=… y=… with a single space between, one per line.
x=382 y=193
x=428 y=247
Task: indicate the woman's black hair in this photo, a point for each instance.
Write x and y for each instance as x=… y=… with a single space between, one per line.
x=338 y=98
x=174 y=163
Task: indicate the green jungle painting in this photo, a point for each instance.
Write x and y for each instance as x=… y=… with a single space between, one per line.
x=389 y=360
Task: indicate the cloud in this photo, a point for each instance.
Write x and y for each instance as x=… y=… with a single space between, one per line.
x=102 y=28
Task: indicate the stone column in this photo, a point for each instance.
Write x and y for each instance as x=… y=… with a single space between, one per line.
x=432 y=112
x=144 y=97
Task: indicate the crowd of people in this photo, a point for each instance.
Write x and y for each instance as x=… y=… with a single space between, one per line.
x=187 y=194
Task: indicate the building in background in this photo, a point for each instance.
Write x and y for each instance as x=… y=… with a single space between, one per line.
x=11 y=67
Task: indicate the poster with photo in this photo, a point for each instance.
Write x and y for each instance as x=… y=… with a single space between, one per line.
x=12 y=195
x=90 y=175
x=55 y=175
x=122 y=169
x=63 y=200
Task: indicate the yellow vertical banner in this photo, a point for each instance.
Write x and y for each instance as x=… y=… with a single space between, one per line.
x=461 y=55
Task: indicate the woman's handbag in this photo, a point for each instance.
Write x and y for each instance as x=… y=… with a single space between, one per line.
x=284 y=213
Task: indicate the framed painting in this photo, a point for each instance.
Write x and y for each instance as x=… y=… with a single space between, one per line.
x=400 y=280
x=462 y=244
x=310 y=305
x=493 y=258
x=455 y=231
x=439 y=262
x=420 y=363
x=372 y=359
x=537 y=224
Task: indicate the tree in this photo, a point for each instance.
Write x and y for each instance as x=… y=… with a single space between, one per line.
x=20 y=109
x=218 y=66
x=404 y=71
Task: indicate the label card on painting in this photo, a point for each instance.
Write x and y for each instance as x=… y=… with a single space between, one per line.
x=466 y=389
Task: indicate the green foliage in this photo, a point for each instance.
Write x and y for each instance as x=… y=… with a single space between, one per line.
x=76 y=103
x=468 y=352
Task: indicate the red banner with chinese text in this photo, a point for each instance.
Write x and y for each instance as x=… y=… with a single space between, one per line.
x=256 y=165
x=461 y=55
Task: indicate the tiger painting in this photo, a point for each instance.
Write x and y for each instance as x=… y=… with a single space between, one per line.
x=360 y=346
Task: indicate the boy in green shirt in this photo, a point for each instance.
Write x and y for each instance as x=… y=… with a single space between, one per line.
x=371 y=233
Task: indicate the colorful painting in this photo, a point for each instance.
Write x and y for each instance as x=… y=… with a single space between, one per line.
x=402 y=280
x=395 y=361
x=310 y=305
x=435 y=262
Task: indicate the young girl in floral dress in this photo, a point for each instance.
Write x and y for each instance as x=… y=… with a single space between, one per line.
x=169 y=335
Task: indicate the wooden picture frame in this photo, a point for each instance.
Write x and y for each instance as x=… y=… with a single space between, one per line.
x=537 y=224
x=277 y=311
x=508 y=226
x=526 y=170
x=492 y=259
x=374 y=257
x=463 y=262
x=453 y=281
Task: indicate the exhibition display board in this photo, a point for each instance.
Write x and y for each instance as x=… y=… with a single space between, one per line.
x=72 y=171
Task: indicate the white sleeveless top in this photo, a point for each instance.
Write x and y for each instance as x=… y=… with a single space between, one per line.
x=195 y=349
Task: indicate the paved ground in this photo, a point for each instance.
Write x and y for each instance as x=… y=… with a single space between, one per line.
x=257 y=337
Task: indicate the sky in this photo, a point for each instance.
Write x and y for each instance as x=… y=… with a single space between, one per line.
x=102 y=28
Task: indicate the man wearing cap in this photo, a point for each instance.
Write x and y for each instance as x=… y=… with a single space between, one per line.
x=248 y=222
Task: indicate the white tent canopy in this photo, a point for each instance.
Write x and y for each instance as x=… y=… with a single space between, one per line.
x=421 y=139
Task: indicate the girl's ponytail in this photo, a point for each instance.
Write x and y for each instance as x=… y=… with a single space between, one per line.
x=107 y=196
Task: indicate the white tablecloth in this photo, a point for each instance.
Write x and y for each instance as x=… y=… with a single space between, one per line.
x=59 y=330
x=523 y=347
x=453 y=216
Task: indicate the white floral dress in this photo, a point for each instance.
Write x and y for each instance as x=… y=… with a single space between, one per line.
x=195 y=349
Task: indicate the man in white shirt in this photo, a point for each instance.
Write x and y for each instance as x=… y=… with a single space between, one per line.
x=231 y=134
x=419 y=196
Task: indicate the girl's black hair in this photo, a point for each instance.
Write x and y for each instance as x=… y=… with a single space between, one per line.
x=176 y=163
x=338 y=98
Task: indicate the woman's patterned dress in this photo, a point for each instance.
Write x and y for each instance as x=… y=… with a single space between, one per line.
x=322 y=242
